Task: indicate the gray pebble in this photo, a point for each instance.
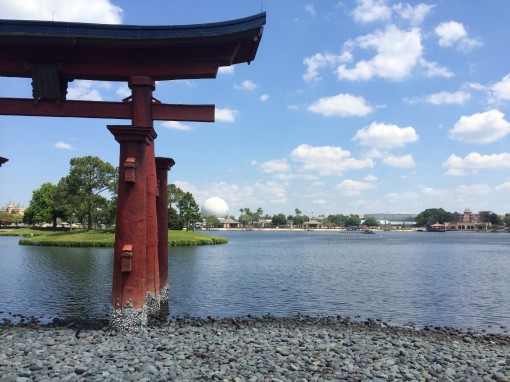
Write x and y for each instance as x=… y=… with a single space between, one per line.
x=252 y=350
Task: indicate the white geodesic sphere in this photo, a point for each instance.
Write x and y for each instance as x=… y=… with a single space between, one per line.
x=215 y=207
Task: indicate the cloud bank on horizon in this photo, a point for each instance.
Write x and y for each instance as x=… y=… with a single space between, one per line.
x=349 y=107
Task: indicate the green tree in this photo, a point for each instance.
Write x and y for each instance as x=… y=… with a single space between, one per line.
x=279 y=220
x=7 y=218
x=109 y=214
x=174 y=194
x=371 y=222
x=433 y=215
x=245 y=219
x=506 y=220
x=298 y=220
x=212 y=221
x=490 y=217
x=338 y=220
x=174 y=220
x=189 y=211
x=88 y=177
x=46 y=205
x=352 y=221
x=248 y=218
x=257 y=215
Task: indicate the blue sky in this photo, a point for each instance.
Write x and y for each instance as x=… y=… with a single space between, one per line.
x=349 y=107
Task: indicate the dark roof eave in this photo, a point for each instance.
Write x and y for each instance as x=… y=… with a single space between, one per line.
x=115 y=52
x=97 y=34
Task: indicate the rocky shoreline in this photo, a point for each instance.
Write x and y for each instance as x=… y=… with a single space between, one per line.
x=267 y=348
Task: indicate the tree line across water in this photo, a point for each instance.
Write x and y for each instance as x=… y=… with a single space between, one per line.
x=88 y=195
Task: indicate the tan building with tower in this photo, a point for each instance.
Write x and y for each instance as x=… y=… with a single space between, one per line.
x=16 y=209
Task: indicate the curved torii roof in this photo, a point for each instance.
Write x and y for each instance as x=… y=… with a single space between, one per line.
x=117 y=52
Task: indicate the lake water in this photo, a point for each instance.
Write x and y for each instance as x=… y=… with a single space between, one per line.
x=453 y=279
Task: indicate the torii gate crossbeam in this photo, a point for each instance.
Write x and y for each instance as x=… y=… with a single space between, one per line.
x=107 y=110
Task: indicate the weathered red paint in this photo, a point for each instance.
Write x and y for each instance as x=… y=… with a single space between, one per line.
x=141 y=99
x=163 y=165
x=111 y=110
x=129 y=288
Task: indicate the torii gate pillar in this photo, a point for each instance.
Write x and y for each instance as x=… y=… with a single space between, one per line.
x=136 y=284
x=163 y=165
x=130 y=255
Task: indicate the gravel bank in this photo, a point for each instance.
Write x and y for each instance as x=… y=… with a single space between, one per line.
x=251 y=349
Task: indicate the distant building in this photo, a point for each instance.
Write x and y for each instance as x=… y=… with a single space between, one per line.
x=263 y=222
x=229 y=223
x=312 y=224
x=468 y=221
x=468 y=226
x=397 y=219
x=16 y=209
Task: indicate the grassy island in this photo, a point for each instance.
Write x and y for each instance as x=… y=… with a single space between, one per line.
x=101 y=238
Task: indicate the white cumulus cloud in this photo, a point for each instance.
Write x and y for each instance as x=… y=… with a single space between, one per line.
x=501 y=90
x=322 y=60
x=226 y=70
x=416 y=14
x=225 y=115
x=384 y=136
x=91 y=11
x=368 y=11
x=398 y=52
x=474 y=161
x=275 y=166
x=246 y=85
x=350 y=187
x=176 y=125
x=433 y=69
x=480 y=128
x=453 y=33
x=327 y=160
x=399 y=196
x=86 y=90
x=404 y=161
x=442 y=98
x=124 y=91
x=63 y=145
x=503 y=187
x=310 y=8
x=342 y=105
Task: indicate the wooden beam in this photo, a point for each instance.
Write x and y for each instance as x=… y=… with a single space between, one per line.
x=191 y=113
x=107 y=110
x=106 y=71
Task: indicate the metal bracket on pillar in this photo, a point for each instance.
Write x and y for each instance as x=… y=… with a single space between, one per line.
x=130 y=170
x=127 y=257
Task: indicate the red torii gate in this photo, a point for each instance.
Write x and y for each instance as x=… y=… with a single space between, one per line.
x=56 y=53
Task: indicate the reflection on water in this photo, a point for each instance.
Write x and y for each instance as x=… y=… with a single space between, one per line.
x=452 y=279
x=48 y=282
